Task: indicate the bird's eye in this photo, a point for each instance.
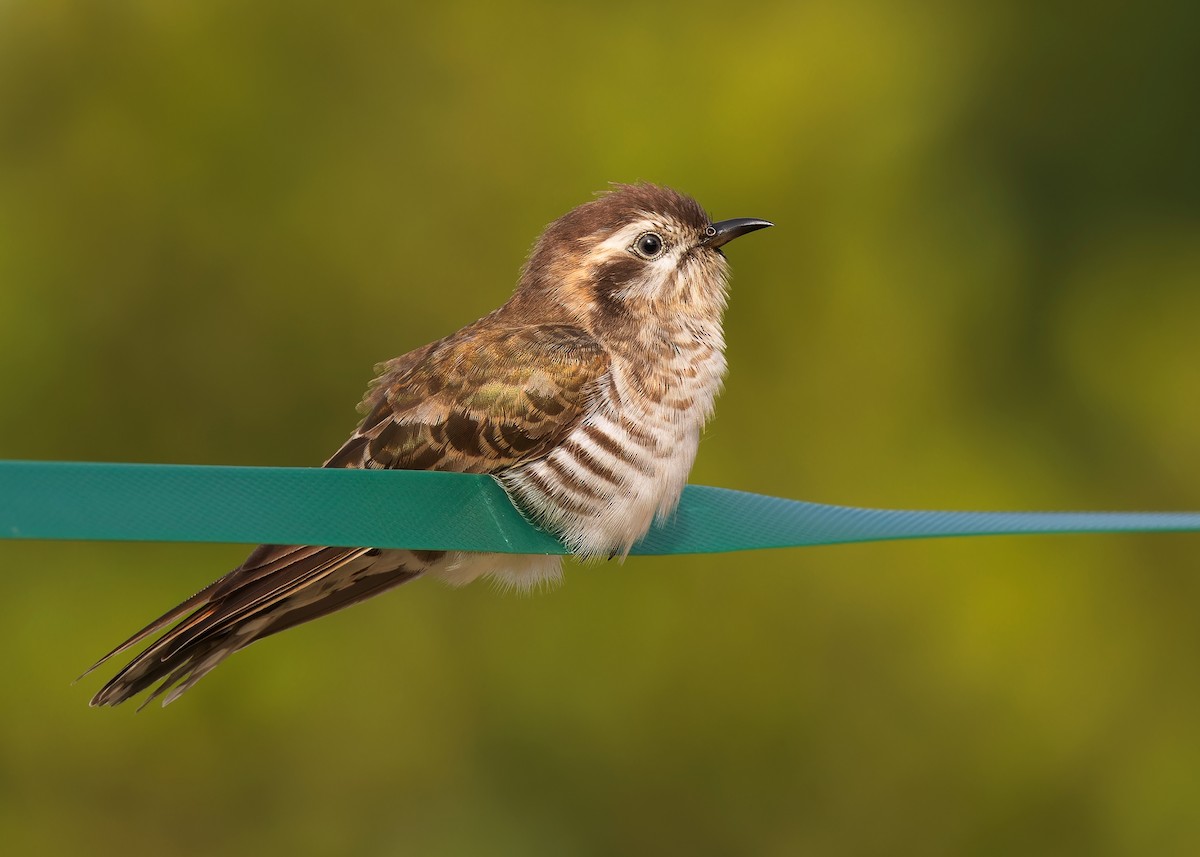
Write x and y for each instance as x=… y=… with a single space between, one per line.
x=649 y=245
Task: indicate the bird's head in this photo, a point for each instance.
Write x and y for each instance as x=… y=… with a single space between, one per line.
x=638 y=254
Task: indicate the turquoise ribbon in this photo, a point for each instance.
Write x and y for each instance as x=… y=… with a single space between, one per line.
x=451 y=511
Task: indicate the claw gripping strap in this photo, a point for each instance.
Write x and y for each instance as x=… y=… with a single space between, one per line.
x=451 y=511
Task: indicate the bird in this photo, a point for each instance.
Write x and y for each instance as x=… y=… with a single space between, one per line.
x=584 y=396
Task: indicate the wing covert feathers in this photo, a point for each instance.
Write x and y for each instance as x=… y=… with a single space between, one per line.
x=479 y=401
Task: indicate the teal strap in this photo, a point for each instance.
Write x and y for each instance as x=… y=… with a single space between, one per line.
x=441 y=511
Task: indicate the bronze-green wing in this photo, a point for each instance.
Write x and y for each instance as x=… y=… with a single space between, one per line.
x=475 y=402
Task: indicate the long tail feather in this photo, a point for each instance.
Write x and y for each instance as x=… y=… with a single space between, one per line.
x=278 y=587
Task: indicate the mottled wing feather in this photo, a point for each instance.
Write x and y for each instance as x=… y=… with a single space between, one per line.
x=480 y=401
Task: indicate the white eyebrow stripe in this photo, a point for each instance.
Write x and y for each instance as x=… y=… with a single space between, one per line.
x=623 y=238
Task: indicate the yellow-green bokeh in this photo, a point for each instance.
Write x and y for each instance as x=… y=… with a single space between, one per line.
x=983 y=292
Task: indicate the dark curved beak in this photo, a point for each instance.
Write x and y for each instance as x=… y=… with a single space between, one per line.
x=724 y=231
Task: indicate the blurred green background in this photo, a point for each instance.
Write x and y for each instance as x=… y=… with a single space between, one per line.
x=983 y=292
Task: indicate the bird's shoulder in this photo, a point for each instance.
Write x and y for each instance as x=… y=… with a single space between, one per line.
x=491 y=395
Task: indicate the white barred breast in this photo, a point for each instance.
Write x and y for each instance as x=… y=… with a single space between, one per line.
x=628 y=460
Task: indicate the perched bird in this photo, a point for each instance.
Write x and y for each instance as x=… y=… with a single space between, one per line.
x=584 y=396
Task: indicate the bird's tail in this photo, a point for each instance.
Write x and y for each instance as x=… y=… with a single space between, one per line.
x=278 y=587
